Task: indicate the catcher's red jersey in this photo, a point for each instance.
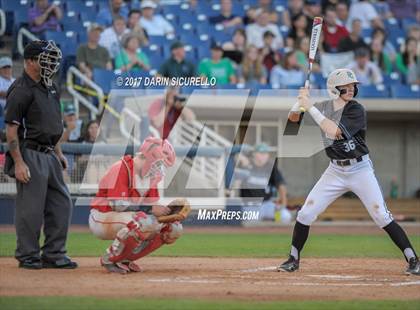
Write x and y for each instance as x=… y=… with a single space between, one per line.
x=119 y=183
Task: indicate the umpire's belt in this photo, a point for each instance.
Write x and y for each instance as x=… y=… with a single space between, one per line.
x=38 y=147
x=347 y=162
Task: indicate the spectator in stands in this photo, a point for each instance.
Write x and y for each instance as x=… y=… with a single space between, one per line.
x=332 y=32
x=252 y=70
x=107 y=15
x=365 y=11
x=263 y=5
x=311 y=9
x=177 y=65
x=111 y=37
x=226 y=17
x=131 y=58
x=93 y=133
x=234 y=49
x=133 y=25
x=298 y=31
x=288 y=74
x=217 y=67
x=164 y=113
x=91 y=55
x=155 y=25
x=43 y=17
x=302 y=53
x=294 y=7
x=342 y=10
x=72 y=125
x=264 y=180
x=354 y=40
x=6 y=79
x=255 y=32
x=404 y=9
x=388 y=47
x=414 y=32
x=367 y=72
x=379 y=57
x=383 y=9
x=270 y=56
x=408 y=63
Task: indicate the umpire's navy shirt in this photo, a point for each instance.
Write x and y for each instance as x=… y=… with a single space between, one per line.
x=36 y=109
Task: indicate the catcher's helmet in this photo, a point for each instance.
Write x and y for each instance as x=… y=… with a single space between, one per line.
x=157 y=153
x=340 y=77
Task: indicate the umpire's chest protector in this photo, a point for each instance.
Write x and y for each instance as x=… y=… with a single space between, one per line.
x=45 y=113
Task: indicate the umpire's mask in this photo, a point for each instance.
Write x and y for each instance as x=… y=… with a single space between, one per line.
x=49 y=61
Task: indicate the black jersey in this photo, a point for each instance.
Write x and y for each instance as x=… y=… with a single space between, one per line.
x=353 y=123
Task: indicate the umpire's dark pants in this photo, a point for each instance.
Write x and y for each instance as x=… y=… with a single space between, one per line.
x=44 y=200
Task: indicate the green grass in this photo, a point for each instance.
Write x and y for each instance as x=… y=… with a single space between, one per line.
x=63 y=303
x=241 y=245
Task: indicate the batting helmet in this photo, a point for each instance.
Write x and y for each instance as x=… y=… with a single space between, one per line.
x=340 y=77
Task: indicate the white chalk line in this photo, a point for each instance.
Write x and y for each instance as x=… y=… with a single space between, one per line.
x=405 y=283
x=333 y=276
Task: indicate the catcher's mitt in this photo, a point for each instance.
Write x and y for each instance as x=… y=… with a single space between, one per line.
x=180 y=208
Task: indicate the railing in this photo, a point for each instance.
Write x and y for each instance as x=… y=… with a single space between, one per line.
x=23 y=32
x=130 y=120
x=73 y=72
x=2 y=22
x=209 y=169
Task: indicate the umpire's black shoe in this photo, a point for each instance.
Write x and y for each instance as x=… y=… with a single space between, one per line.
x=413 y=266
x=31 y=263
x=62 y=263
x=292 y=264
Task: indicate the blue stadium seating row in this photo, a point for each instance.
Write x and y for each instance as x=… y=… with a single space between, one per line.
x=106 y=80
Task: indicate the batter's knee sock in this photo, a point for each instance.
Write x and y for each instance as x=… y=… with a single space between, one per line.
x=400 y=238
x=300 y=235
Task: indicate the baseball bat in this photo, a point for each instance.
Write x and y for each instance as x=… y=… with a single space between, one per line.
x=293 y=122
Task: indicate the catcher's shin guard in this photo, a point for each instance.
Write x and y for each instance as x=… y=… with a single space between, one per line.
x=168 y=234
x=131 y=237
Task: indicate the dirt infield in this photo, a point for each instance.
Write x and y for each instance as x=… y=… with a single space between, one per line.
x=219 y=278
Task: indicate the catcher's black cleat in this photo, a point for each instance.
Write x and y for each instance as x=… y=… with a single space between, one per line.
x=292 y=264
x=413 y=266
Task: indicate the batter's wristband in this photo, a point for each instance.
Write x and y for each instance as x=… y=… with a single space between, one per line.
x=316 y=115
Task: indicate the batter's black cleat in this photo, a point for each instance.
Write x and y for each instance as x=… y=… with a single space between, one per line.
x=413 y=266
x=62 y=263
x=292 y=264
x=31 y=263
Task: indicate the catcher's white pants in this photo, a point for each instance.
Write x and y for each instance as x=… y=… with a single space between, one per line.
x=105 y=225
x=336 y=180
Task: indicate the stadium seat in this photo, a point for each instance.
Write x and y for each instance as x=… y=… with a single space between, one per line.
x=15 y=5
x=156 y=61
x=88 y=15
x=19 y=17
x=104 y=78
x=318 y=79
x=2 y=123
x=405 y=91
x=392 y=79
x=373 y=91
x=204 y=28
x=203 y=52
x=62 y=39
x=220 y=36
x=397 y=37
x=74 y=5
x=160 y=40
x=407 y=22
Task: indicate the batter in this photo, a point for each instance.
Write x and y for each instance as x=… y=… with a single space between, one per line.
x=343 y=127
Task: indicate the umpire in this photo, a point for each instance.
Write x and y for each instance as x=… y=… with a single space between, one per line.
x=34 y=127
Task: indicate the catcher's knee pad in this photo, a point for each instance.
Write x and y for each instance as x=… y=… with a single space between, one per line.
x=171 y=232
x=146 y=224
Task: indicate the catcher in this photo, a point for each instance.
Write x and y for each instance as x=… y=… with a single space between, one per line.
x=125 y=208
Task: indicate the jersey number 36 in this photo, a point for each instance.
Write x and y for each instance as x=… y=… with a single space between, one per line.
x=349 y=146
